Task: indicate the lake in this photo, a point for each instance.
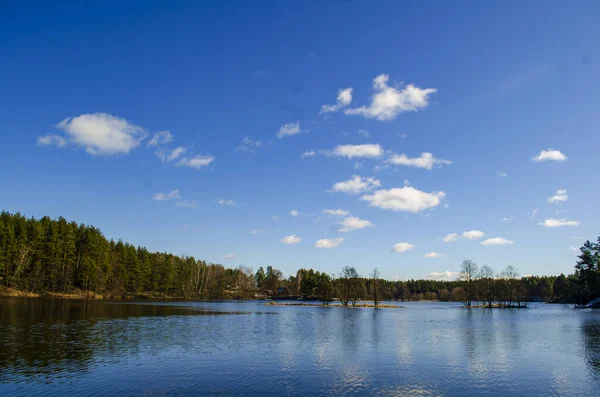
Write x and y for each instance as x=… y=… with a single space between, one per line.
x=68 y=348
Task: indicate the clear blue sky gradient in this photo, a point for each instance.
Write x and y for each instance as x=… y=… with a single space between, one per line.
x=512 y=78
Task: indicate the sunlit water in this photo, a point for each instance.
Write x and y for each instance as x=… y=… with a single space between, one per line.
x=246 y=348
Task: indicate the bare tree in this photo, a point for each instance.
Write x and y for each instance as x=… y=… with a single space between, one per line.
x=375 y=286
x=468 y=273
x=348 y=280
x=488 y=284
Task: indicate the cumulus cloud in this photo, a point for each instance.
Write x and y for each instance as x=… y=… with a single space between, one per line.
x=473 y=234
x=425 y=161
x=174 y=194
x=329 y=243
x=308 y=153
x=353 y=223
x=432 y=255
x=356 y=185
x=249 y=145
x=549 y=155
x=294 y=213
x=291 y=239
x=552 y=222
x=196 y=162
x=559 y=197
x=366 y=150
x=289 y=129
x=496 y=241
x=402 y=247
x=388 y=102
x=229 y=256
x=343 y=99
x=229 y=202
x=187 y=204
x=161 y=138
x=51 y=140
x=336 y=212
x=450 y=237
x=98 y=133
x=443 y=276
x=406 y=199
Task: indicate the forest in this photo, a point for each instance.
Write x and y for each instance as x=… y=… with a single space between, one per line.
x=41 y=256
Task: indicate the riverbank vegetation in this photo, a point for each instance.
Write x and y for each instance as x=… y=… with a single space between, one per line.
x=65 y=259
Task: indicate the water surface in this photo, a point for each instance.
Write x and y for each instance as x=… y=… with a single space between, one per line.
x=59 y=347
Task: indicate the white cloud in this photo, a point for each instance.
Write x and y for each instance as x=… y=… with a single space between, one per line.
x=337 y=212
x=533 y=213
x=294 y=213
x=363 y=132
x=388 y=102
x=404 y=199
x=343 y=99
x=366 y=150
x=559 y=197
x=98 y=133
x=291 y=239
x=254 y=232
x=329 y=243
x=249 y=145
x=229 y=256
x=446 y=206
x=54 y=140
x=426 y=161
x=502 y=174
x=275 y=217
x=187 y=204
x=289 y=129
x=549 y=155
x=574 y=249
x=196 y=162
x=229 y=202
x=450 y=237
x=356 y=185
x=167 y=156
x=496 y=241
x=353 y=223
x=308 y=153
x=507 y=219
x=174 y=194
x=161 y=138
x=402 y=247
x=432 y=255
x=551 y=222
x=443 y=276
x=473 y=234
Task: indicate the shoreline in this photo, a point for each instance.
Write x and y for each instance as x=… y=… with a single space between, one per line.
x=358 y=305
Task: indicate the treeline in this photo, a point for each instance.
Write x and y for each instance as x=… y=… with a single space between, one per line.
x=46 y=255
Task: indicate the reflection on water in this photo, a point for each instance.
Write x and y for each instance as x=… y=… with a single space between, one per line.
x=57 y=347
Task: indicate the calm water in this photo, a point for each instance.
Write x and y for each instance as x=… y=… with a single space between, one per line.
x=245 y=348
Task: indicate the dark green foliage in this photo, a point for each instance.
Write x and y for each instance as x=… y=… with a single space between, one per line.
x=48 y=255
x=45 y=255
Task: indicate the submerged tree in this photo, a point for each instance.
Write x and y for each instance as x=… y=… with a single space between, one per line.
x=468 y=273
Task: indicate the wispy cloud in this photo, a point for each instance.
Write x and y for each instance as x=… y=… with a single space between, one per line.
x=291 y=239
x=174 y=194
x=552 y=222
x=289 y=129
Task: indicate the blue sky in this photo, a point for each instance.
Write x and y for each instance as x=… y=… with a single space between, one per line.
x=241 y=89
